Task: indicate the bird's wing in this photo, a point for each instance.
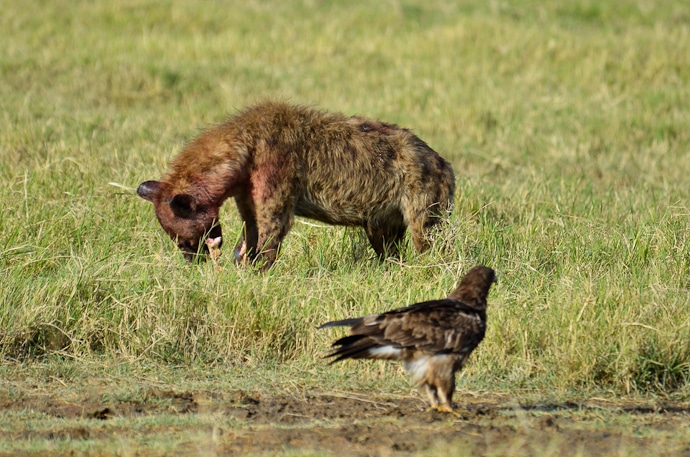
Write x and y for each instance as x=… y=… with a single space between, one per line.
x=434 y=326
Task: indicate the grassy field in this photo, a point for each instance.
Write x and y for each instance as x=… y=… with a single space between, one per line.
x=568 y=127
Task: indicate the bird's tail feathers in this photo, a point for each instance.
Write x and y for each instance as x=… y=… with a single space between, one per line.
x=343 y=323
x=361 y=347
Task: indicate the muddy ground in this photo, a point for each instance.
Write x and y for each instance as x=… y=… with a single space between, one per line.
x=358 y=424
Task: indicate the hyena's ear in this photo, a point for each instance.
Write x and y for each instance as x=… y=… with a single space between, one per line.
x=184 y=206
x=148 y=189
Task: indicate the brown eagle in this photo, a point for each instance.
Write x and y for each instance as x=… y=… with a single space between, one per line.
x=432 y=338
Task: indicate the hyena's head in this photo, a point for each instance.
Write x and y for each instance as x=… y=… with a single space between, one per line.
x=191 y=223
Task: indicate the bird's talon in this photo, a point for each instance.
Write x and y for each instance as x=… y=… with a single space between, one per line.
x=446 y=409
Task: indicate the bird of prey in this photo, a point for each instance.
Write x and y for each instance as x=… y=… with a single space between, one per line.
x=432 y=338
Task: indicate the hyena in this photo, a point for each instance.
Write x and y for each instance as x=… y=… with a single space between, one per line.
x=279 y=160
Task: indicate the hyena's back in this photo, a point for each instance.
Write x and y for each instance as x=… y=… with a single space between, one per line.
x=279 y=160
x=352 y=170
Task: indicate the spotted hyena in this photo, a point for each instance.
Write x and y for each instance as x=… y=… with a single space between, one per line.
x=278 y=160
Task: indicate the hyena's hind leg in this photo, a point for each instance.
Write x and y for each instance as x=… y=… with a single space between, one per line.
x=385 y=239
x=420 y=217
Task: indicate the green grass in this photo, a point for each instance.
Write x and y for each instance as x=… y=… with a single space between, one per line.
x=567 y=124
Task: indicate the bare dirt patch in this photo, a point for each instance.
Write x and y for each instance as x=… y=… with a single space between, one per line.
x=357 y=424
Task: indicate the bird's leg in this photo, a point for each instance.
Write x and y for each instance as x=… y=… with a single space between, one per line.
x=446 y=405
x=449 y=409
x=430 y=392
x=435 y=395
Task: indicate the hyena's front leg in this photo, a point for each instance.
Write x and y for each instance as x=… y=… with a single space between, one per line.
x=273 y=193
x=246 y=249
x=273 y=222
x=274 y=203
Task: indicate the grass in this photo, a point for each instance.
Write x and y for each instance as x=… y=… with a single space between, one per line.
x=567 y=124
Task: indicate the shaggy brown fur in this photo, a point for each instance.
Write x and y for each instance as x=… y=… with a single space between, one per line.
x=279 y=160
